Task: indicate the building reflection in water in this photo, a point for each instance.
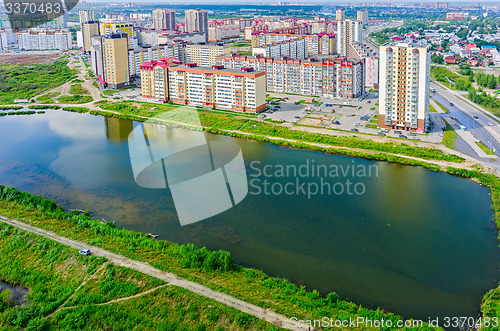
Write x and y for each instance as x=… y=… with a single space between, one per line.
x=117 y=129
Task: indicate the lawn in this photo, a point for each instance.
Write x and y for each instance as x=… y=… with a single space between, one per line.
x=77 y=89
x=371 y=126
x=75 y=99
x=484 y=148
x=28 y=81
x=442 y=107
x=450 y=136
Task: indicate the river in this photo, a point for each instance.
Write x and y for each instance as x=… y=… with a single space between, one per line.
x=416 y=242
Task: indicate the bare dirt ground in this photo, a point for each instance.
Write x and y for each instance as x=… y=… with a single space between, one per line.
x=28 y=58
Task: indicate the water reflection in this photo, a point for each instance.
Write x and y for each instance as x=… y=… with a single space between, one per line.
x=417 y=242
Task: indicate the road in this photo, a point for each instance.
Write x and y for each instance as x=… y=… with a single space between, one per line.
x=172 y=279
x=465 y=113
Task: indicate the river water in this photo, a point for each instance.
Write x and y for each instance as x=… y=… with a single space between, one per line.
x=416 y=242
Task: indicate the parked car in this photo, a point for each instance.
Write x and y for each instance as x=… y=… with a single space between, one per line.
x=476 y=117
x=490 y=123
x=403 y=136
x=261 y=116
x=451 y=104
x=381 y=133
x=411 y=134
x=397 y=132
x=85 y=252
x=297 y=103
x=355 y=130
x=368 y=101
x=336 y=122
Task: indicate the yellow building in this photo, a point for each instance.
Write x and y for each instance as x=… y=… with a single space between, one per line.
x=110 y=60
x=89 y=29
x=118 y=27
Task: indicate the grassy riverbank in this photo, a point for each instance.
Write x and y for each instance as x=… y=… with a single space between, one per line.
x=189 y=261
x=62 y=281
x=255 y=129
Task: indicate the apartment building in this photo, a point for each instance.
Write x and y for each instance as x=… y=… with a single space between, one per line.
x=316 y=44
x=196 y=20
x=117 y=27
x=7 y=38
x=211 y=87
x=362 y=16
x=293 y=49
x=455 y=15
x=359 y=52
x=404 y=86
x=86 y=15
x=154 y=38
x=205 y=55
x=164 y=19
x=348 y=31
x=109 y=55
x=218 y=87
x=335 y=77
x=137 y=57
x=89 y=29
x=218 y=32
x=154 y=79
x=44 y=39
x=340 y=14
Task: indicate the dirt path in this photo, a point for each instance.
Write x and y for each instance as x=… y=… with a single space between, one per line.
x=121 y=299
x=85 y=280
x=120 y=260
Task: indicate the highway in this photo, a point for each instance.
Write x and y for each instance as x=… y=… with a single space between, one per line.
x=465 y=113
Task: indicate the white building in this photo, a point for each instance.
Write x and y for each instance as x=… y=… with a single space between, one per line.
x=293 y=49
x=44 y=39
x=348 y=31
x=404 y=86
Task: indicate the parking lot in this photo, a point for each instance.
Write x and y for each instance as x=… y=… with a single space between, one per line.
x=359 y=116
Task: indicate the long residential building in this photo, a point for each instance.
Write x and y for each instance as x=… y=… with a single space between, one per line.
x=137 y=57
x=109 y=55
x=154 y=38
x=212 y=87
x=218 y=32
x=205 y=55
x=44 y=39
x=336 y=77
x=404 y=86
x=293 y=49
x=316 y=44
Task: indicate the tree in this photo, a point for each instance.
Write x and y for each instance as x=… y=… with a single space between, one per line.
x=439 y=59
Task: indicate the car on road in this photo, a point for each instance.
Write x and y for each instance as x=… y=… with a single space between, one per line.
x=490 y=123
x=403 y=136
x=368 y=101
x=297 y=117
x=84 y=251
x=381 y=134
x=397 y=132
x=336 y=122
x=476 y=117
x=355 y=130
x=451 y=104
x=328 y=105
x=261 y=116
x=297 y=103
x=412 y=134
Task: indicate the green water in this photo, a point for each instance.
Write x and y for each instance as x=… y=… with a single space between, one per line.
x=416 y=242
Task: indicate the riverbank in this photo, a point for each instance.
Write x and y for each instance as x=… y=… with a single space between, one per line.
x=246 y=284
x=69 y=291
